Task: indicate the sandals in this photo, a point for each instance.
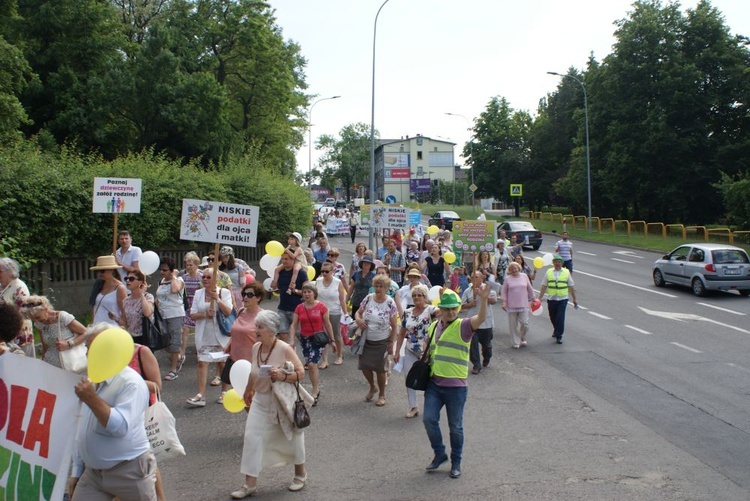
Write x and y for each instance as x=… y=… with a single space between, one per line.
x=339 y=361
x=370 y=394
x=180 y=362
x=298 y=483
x=315 y=402
x=216 y=381
x=171 y=376
x=197 y=401
x=323 y=366
x=220 y=400
x=413 y=412
x=381 y=401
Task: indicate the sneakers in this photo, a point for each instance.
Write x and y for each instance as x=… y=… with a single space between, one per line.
x=559 y=341
x=196 y=401
x=436 y=462
x=516 y=346
x=523 y=342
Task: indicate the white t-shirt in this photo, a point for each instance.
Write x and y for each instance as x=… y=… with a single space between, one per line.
x=132 y=255
x=329 y=296
x=170 y=303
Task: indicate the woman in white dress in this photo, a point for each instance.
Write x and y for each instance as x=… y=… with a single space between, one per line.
x=208 y=337
x=267 y=442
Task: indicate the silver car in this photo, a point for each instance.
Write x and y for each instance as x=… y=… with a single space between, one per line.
x=705 y=267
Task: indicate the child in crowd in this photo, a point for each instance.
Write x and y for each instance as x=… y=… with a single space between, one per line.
x=295 y=252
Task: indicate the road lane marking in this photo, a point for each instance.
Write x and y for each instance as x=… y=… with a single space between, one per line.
x=599 y=315
x=735 y=366
x=722 y=309
x=585 y=253
x=680 y=317
x=638 y=330
x=688 y=348
x=628 y=254
x=622 y=260
x=625 y=284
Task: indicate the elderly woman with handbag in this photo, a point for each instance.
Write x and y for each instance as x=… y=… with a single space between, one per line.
x=60 y=332
x=315 y=332
x=377 y=314
x=414 y=324
x=271 y=442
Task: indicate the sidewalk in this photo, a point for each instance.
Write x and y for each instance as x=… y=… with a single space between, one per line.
x=531 y=433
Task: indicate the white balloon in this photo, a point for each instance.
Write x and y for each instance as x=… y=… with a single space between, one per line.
x=238 y=375
x=267 y=283
x=149 y=262
x=539 y=310
x=547 y=257
x=269 y=262
x=434 y=293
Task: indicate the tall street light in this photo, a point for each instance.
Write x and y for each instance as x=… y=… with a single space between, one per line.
x=372 y=130
x=588 y=160
x=471 y=150
x=309 y=139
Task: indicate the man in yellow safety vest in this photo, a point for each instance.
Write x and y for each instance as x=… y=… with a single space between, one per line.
x=558 y=282
x=450 y=339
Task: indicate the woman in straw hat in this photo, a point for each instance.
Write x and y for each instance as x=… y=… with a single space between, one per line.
x=108 y=304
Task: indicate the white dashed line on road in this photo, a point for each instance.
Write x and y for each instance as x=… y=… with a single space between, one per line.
x=622 y=260
x=707 y=305
x=688 y=348
x=585 y=253
x=638 y=330
x=735 y=366
x=599 y=315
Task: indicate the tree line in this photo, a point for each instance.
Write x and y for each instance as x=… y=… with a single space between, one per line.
x=669 y=126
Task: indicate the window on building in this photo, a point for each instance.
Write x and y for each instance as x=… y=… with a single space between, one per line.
x=419 y=155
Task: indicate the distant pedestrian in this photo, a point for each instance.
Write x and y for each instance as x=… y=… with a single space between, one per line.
x=353 y=223
x=564 y=248
x=559 y=282
x=516 y=294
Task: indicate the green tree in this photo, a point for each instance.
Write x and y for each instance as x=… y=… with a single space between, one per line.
x=500 y=149
x=347 y=158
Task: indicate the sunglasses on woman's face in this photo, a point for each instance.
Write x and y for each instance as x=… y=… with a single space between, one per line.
x=211 y=260
x=325 y=271
x=248 y=295
x=130 y=279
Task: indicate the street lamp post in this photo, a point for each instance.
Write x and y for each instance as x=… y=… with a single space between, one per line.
x=309 y=139
x=372 y=130
x=471 y=150
x=588 y=160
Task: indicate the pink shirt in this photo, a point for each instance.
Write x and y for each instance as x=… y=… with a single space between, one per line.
x=243 y=336
x=517 y=292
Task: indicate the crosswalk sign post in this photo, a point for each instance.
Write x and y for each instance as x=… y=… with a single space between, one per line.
x=516 y=190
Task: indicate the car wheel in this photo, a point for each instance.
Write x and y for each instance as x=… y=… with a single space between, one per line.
x=659 y=279
x=744 y=292
x=536 y=247
x=698 y=288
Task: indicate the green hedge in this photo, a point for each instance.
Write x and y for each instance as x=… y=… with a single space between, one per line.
x=46 y=199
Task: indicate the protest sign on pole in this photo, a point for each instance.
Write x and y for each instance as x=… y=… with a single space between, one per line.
x=39 y=413
x=385 y=216
x=473 y=237
x=219 y=222
x=116 y=195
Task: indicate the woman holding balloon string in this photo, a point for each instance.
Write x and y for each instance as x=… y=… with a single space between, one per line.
x=516 y=295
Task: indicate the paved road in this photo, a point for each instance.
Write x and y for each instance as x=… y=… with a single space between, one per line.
x=617 y=412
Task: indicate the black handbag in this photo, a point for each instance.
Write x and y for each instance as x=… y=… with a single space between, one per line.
x=301 y=415
x=320 y=338
x=155 y=334
x=420 y=372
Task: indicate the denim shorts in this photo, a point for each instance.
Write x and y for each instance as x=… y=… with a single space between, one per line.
x=286 y=320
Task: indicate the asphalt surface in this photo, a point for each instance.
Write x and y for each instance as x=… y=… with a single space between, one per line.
x=622 y=410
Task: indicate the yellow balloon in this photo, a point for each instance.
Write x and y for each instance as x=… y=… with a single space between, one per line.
x=310 y=272
x=538 y=262
x=432 y=229
x=274 y=248
x=449 y=257
x=233 y=401
x=109 y=353
x=435 y=302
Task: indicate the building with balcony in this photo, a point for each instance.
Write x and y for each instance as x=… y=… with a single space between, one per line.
x=409 y=165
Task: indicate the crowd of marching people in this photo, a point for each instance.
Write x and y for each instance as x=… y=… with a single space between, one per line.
x=382 y=305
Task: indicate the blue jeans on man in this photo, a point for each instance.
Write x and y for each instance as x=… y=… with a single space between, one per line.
x=454 y=399
x=557 y=316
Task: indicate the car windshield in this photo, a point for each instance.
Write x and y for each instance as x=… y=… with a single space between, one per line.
x=448 y=213
x=729 y=256
x=520 y=226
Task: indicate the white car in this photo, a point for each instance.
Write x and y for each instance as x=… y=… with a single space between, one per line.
x=705 y=267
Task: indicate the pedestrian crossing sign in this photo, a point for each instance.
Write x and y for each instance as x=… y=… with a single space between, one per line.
x=516 y=190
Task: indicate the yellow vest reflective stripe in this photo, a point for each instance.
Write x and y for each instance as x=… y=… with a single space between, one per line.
x=557 y=287
x=449 y=357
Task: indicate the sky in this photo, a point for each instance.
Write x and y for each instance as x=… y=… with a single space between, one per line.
x=442 y=56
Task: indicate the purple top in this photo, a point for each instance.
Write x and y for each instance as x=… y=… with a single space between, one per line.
x=466 y=334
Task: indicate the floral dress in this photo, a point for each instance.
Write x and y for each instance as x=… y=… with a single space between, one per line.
x=191 y=285
x=416 y=328
x=133 y=310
